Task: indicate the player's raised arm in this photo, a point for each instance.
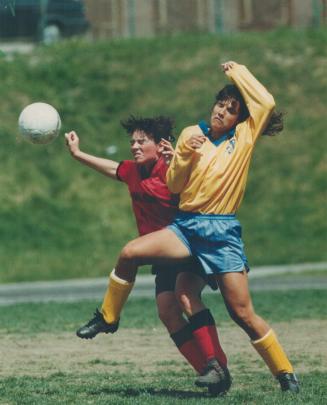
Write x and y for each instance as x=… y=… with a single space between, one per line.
x=104 y=166
x=179 y=169
x=259 y=101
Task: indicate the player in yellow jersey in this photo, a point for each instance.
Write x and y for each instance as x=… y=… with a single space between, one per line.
x=209 y=170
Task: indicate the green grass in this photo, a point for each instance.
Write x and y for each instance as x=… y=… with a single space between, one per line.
x=141 y=313
x=169 y=383
x=60 y=220
x=162 y=387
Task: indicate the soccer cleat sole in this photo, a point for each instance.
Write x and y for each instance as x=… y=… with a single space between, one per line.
x=89 y=337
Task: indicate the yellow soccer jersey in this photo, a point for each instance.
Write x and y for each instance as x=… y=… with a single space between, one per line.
x=212 y=179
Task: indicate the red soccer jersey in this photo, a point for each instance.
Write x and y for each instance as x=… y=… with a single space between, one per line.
x=154 y=205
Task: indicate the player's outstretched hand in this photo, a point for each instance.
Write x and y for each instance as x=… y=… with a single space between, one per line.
x=226 y=66
x=72 y=141
x=166 y=150
x=196 y=141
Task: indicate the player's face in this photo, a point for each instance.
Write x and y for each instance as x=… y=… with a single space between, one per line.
x=224 y=116
x=143 y=148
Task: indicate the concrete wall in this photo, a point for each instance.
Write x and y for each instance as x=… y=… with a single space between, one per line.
x=144 y=18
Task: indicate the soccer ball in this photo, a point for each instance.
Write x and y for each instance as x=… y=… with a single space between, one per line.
x=39 y=123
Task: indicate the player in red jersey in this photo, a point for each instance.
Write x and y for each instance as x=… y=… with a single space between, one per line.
x=154 y=208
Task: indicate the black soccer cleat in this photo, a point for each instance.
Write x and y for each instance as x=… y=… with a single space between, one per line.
x=215 y=377
x=288 y=382
x=96 y=325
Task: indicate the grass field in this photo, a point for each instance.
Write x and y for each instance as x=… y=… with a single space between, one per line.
x=60 y=220
x=42 y=362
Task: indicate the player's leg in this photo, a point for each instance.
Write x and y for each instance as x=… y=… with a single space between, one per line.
x=148 y=249
x=169 y=312
x=171 y=315
x=188 y=291
x=235 y=291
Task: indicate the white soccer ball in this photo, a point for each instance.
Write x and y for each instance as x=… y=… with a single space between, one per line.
x=39 y=123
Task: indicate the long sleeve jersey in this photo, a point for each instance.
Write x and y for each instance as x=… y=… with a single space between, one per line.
x=212 y=179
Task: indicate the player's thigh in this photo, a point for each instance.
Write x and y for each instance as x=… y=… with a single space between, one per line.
x=235 y=291
x=163 y=244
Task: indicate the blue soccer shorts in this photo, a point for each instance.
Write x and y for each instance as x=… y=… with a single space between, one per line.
x=215 y=240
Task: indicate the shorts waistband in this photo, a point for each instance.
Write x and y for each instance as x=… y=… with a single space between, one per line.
x=198 y=215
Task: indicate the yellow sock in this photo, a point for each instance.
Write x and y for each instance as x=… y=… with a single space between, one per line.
x=273 y=354
x=116 y=295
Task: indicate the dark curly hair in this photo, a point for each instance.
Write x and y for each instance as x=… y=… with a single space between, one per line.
x=156 y=127
x=231 y=92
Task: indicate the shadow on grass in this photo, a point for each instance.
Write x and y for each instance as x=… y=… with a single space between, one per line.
x=131 y=392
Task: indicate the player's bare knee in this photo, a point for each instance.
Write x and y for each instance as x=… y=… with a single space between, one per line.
x=242 y=315
x=129 y=253
x=170 y=315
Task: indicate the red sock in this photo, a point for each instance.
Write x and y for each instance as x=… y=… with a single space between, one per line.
x=205 y=333
x=187 y=346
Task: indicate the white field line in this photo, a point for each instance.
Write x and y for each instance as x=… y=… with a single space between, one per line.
x=94 y=288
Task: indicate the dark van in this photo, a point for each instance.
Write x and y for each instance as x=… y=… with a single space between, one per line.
x=45 y=20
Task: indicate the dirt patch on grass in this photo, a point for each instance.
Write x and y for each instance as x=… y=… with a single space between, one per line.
x=146 y=350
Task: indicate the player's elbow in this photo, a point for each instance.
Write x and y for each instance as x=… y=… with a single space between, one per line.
x=269 y=103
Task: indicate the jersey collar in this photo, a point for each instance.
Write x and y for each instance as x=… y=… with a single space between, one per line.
x=206 y=131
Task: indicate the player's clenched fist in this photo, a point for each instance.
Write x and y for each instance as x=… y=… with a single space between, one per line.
x=166 y=150
x=196 y=141
x=72 y=141
x=227 y=66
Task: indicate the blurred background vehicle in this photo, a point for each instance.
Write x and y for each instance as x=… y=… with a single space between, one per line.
x=43 y=20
